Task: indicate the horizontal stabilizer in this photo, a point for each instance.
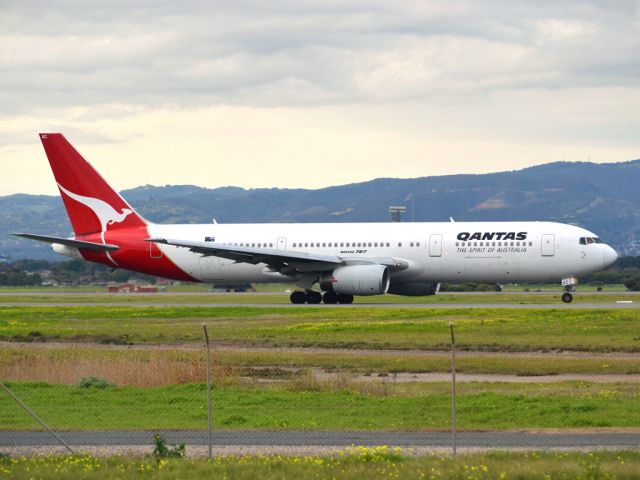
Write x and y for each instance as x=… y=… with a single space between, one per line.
x=99 y=247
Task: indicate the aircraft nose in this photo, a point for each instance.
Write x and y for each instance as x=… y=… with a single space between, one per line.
x=609 y=256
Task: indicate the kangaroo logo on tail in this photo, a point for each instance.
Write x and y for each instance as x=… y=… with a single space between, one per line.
x=107 y=215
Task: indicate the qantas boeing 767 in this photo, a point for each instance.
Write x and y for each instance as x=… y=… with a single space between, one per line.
x=343 y=259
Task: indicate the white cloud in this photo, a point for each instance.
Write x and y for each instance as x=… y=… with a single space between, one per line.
x=516 y=76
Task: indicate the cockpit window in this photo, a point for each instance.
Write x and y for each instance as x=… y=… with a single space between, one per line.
x=588 y=240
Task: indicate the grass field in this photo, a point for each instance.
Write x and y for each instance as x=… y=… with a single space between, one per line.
x=598 y=330
x=309 y=404
x=353 y=463
x=155 y=357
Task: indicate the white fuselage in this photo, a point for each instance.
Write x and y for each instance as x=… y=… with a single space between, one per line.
x=499 y=252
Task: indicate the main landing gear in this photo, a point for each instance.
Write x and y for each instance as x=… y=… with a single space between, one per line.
x=312 y=297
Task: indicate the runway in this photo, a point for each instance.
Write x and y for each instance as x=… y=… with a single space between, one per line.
x=606 y=300
x=462 y=306
x=287 y=438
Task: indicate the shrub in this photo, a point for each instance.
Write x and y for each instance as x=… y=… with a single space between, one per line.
x=161 y=450
x=93 y=382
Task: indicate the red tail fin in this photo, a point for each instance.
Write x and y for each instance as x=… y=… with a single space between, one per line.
x=92 y=205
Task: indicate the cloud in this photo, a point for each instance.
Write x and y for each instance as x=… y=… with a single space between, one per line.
x=534 y=81
x=291 y=53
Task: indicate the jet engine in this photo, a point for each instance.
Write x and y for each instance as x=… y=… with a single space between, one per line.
x=356 y=280
x=415 y=289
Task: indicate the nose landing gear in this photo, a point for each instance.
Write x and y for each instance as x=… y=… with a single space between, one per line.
x=569 y=286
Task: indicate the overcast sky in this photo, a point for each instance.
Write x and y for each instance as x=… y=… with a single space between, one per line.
x=311 y=94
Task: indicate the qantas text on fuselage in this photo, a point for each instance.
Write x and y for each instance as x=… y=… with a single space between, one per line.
x=340 y=260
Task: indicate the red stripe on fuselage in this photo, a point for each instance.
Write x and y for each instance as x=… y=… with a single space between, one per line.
x=133 y=254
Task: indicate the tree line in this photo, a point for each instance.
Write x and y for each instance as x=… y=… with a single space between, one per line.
x=71 y=272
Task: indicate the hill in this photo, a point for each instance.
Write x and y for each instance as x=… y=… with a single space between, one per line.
x=604 y=198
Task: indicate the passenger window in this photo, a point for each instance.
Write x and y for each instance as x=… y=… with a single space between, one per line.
x=411 y=244
x=369 y=244
x=399 y=244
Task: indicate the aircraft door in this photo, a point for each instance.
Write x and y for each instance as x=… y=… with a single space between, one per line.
x=548 y=245
x=435 y=245
x=154 y=250
x=282 y=243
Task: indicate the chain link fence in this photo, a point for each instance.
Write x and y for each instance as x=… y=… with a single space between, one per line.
x=116 y=397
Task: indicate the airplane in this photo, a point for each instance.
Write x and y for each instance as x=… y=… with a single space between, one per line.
x=343 y=259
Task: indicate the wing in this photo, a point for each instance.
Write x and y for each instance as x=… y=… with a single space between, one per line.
x=285 y=262
x=100 y=247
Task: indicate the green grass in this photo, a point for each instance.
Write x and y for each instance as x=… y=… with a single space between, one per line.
x=389 y=328
x=353 y=463
x=309 y=405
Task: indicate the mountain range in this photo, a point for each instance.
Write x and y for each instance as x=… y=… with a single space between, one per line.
x=604 y=198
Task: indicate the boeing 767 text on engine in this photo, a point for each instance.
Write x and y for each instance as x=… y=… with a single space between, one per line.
x=343 y=259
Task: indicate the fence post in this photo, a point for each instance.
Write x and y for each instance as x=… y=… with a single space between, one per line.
x=206 y=337
x=453 y=389
x=39 y=420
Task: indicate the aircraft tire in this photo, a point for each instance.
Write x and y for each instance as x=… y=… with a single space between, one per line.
x=567 y=297
x=330 y=297
x=346 y=299
x=313 y=297
x=298 y=298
